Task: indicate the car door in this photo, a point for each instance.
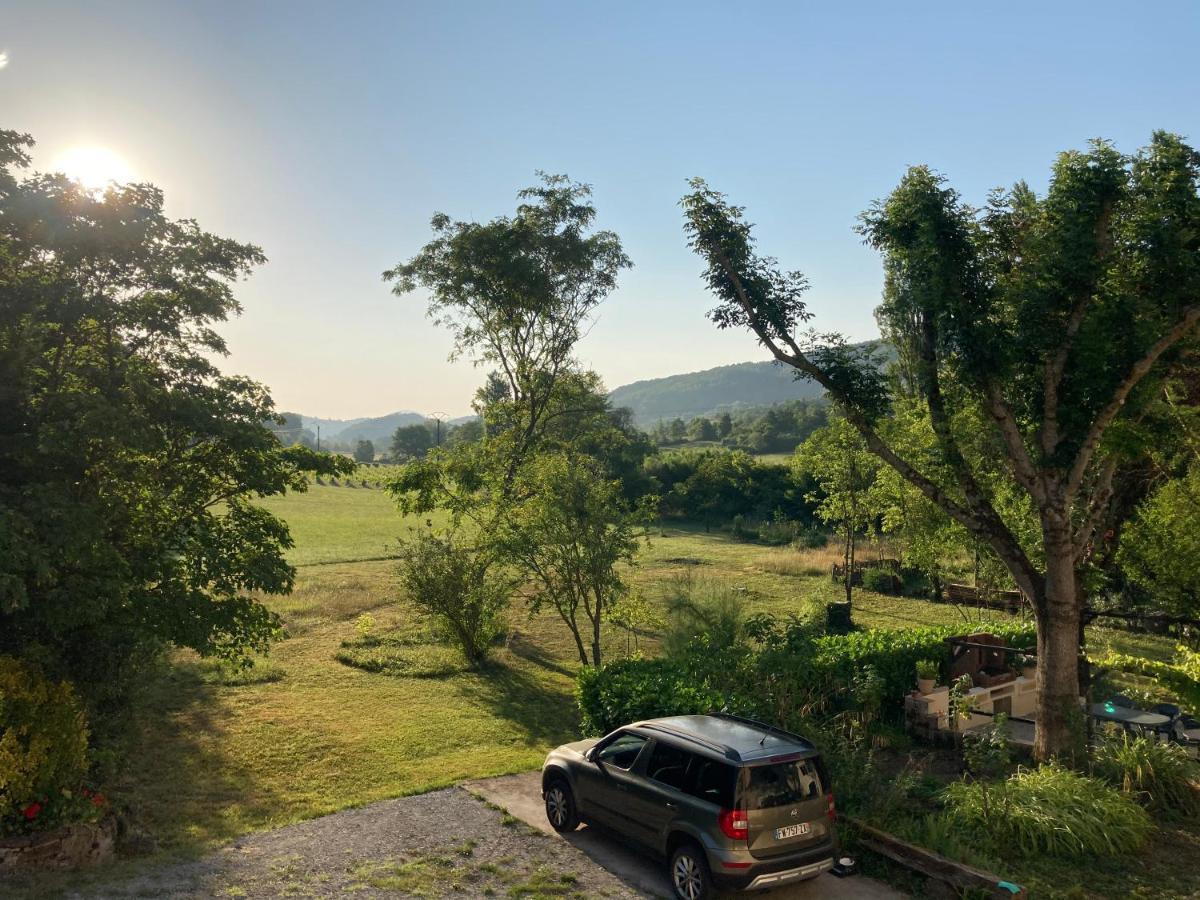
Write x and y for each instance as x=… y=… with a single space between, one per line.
x=604 y=783
x=659 y=795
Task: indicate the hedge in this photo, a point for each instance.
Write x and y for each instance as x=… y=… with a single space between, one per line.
x=770 y=682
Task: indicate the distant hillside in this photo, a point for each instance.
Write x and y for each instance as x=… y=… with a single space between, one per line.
x=349 y=431
x=731 y=389
x=723 y=389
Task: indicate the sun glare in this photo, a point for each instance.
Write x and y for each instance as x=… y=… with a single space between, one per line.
x=3 y=58
x=93 y=167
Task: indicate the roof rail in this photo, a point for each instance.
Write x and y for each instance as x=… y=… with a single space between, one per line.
x=728 y=752
x=773 y=729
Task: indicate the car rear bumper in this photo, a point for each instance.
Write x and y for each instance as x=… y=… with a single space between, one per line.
x=768 y=873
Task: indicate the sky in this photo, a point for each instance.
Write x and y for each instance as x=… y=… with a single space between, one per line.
x=328 y=134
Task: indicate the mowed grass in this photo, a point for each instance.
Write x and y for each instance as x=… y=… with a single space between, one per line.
x=341 y=524
x=305 y=735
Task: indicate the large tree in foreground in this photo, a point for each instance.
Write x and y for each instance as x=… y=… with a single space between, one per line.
x=129 y=464
x=1053 y=321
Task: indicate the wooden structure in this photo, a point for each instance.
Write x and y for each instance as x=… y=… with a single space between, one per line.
x=961 y=877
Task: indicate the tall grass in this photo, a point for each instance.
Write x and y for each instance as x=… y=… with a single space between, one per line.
x=1049 y=810
x=1160 y=776
x=702 y=607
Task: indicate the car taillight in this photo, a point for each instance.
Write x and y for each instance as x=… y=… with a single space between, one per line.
x=830 y=809
x=734 y=824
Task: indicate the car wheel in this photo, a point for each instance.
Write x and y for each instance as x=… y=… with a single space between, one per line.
x=689 y=873
x=560 y=806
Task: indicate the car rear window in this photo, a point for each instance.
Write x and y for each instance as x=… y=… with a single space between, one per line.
x=781 y=783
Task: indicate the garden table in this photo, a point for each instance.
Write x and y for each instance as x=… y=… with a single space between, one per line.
x=1137 y=718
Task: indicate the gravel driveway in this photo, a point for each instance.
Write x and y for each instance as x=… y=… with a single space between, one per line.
x=445 y=843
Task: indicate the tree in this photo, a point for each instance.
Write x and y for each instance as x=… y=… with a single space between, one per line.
x=516 y=293
x=724 y=425
x=459 y=587
x=1052 y=320
x=701 y=429
x=364 y=452
x=411 y=441
x=844 y=470
x=130 y=466
x=1160 y=546
x=571 y=536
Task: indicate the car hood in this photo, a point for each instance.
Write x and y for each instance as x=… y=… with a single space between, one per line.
x=580 y=747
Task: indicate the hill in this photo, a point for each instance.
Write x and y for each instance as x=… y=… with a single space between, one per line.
x=731 y=389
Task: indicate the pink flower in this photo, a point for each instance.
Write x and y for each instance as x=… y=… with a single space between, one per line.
x=31 y=811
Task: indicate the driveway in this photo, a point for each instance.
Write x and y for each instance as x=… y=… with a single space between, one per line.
x=521 y=796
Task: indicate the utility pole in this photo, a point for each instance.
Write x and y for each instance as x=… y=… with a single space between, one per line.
x=438 y=417
x=318 y=438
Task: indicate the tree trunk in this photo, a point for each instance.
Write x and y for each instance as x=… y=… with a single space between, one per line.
x=849 y=562
x=1060 y=720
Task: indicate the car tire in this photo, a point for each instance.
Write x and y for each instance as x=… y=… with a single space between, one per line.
x=560 y=806
x=689 y=874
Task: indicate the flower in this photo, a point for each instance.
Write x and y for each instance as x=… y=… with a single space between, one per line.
x=98 y=799
x=31 y=811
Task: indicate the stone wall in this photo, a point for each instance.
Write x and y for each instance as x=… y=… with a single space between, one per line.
x=70 y=847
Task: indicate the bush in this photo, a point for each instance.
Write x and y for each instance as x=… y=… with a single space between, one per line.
x=1049 y=810
x=458 y=588
x=43 y=745
x=880 y=581
x=796 y=674
x=705 y=607
x=632 y=689
x=1161 y=777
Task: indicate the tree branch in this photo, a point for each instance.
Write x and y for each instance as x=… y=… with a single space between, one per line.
x=1187 y=321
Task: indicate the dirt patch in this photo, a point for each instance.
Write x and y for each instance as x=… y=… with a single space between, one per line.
x=442 y=844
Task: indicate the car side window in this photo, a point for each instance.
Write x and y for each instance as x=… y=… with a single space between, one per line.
x=712 y=780
x=669 y=765
x=622 y=751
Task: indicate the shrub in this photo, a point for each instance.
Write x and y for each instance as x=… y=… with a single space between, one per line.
x=632 y=689
x=1160 y=776
x=1048 y=810
x=43 y=743
x=458 y=587
x=705 y=607
x=879 y=580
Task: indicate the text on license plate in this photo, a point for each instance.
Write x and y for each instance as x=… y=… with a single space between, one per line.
x=788 y=831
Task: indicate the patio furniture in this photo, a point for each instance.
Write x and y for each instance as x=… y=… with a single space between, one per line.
x=1128 y=718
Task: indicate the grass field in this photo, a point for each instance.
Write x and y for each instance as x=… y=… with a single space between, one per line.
x=303 y=734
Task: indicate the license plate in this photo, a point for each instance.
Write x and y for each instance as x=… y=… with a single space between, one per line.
x=790 y=831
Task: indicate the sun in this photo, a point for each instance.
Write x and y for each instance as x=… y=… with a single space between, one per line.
x=93 y=167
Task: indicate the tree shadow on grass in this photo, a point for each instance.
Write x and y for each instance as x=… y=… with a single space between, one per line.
x=543 y=711
x=521 y=646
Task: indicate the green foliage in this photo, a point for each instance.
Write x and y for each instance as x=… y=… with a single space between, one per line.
x=411 y=441
x=1160 y=547
x=987 y=751
x=927 y=669
x=881 y=581
x=458 y=586
x=1181 y=675
x=629 y=690
x=364 y=452
x=128 y=519
x=795 y=673
x=702 y=607
x=1160 y=776
x=43 y=742
x=1050 y=811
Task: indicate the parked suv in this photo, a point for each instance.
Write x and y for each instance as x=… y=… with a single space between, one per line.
x=723 y=799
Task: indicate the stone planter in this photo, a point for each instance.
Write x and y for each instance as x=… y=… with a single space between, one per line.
x=1029 y=672
x=925 y=685
x=69 y=847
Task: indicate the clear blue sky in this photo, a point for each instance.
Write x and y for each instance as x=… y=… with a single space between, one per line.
x=328 y=133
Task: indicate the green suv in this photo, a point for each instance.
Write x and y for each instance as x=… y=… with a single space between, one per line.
x=725 y=800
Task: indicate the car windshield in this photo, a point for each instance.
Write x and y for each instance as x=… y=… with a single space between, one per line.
x=781 y=783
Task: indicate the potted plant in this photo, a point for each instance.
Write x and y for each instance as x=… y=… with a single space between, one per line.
x=927 y=673
x=1029 y=667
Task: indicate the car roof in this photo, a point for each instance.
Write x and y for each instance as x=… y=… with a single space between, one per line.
x=737 y=739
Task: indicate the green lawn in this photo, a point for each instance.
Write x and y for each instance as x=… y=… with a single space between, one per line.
x=216 y=760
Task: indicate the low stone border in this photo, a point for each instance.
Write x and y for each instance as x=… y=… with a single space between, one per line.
x=69 y=847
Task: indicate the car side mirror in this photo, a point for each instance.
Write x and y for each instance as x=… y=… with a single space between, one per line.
x=590 y=756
